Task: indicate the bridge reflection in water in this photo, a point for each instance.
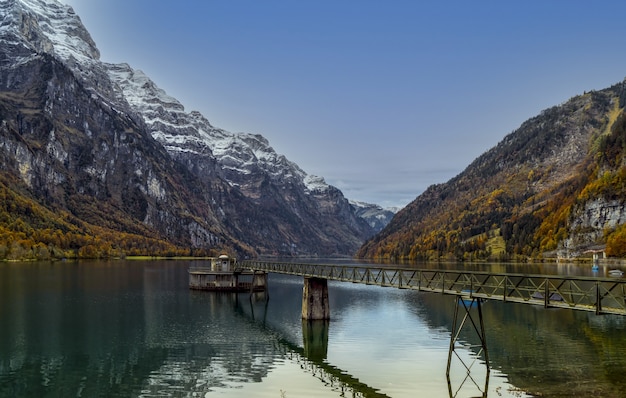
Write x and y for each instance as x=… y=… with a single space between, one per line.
x=599 y=295
x=312 y=356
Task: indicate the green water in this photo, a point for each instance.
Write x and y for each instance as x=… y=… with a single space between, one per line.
x=134 y=329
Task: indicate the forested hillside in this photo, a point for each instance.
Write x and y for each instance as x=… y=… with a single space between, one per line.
x=554 y=187
x=30 y=231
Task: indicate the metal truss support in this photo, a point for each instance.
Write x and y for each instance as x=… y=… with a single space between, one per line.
x=464 y=309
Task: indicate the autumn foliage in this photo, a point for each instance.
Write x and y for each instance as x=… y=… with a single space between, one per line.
x=517 y=201
x=30 y=231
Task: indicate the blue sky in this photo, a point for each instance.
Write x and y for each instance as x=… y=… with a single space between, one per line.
x=381 y=98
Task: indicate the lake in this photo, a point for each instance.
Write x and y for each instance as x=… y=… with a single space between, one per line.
x=134 y=329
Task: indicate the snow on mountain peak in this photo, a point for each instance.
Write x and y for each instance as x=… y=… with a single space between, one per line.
x=315 y=183
x=364 y=205
x=140 y=91
x=191 y=133
x=31 y=28
x=52 y=27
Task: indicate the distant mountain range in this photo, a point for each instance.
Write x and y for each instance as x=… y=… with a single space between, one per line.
x=97 y=161
x=554 y=188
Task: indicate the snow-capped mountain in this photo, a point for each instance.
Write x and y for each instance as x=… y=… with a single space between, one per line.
x=106 y=144
x=375 y=215
x=30 y=28
x=50 y=27
x=181 y=133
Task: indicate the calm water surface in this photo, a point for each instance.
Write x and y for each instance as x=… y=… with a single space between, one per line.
x=133 y=329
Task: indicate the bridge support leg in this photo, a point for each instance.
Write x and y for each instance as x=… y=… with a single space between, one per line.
x=463 y=306
x=315 y=304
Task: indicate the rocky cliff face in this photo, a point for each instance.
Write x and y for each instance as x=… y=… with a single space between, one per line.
x=105 y=144
x=588 y=224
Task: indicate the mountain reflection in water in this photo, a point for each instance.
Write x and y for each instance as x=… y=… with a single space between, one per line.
x=121 y=329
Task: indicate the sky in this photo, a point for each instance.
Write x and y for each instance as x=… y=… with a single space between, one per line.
x=381 y=98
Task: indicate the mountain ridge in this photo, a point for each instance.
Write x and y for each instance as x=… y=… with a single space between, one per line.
x=525 y=197
x=111 y=151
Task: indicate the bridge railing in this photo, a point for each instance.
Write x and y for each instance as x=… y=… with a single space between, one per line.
x=600 y=295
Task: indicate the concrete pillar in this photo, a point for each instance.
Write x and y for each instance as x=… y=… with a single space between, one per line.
x=259 y=281
x=315 y=299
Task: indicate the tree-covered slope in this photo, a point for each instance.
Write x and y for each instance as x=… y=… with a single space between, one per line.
x=527 y=196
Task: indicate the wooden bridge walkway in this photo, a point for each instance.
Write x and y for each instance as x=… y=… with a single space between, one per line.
x=602 y=295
